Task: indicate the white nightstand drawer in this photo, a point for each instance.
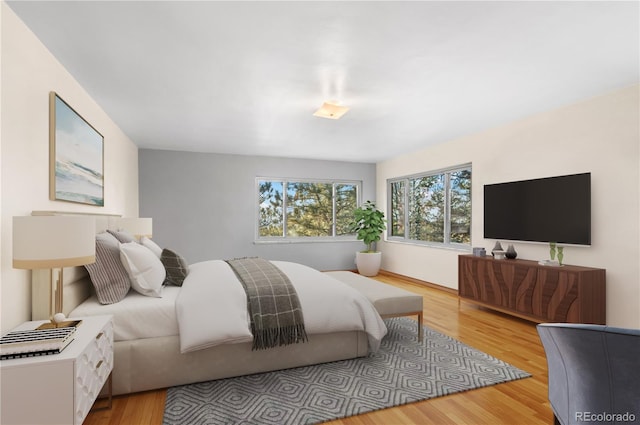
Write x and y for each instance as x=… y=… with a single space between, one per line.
x=93 y=367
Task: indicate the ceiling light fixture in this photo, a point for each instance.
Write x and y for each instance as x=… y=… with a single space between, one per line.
x=331 y=111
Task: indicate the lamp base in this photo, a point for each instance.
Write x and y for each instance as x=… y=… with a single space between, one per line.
x=66 y=324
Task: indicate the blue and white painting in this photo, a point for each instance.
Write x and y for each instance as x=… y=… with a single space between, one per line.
x=78 y=158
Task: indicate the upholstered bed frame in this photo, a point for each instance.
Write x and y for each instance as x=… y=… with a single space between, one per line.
x=151 y=363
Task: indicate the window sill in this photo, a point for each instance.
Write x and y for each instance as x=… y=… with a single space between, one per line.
x=303 y=240
x=451 y=247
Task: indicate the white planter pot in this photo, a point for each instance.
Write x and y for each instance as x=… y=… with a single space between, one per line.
x=368 y=263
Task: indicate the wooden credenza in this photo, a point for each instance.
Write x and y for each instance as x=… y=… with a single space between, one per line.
x=532 y=291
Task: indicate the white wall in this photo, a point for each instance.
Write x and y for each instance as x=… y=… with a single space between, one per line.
x=601 y=136
x=28 y=73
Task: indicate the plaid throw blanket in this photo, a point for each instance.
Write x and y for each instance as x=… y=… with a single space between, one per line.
x=274 y=308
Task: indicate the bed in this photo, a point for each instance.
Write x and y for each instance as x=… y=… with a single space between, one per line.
x=147 y=346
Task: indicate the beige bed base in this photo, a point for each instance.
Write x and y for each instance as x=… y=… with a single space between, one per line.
x=152 y=363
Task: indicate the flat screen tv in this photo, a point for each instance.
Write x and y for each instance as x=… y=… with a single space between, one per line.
x=553 y=209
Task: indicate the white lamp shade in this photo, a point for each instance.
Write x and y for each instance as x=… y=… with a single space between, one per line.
x=45 y=242
x=136 y=226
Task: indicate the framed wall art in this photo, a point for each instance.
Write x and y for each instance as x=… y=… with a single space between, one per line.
x=76 y=156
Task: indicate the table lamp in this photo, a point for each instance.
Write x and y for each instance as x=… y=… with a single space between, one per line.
x=54 y=242
x=138 y=227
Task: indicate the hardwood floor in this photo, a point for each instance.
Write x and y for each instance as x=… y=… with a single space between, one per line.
x=512 y=340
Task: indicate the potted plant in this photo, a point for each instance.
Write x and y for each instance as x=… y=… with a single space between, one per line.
x=368 y=224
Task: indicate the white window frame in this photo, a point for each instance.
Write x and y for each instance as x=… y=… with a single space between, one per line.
x=447 y=209
x=303 y=239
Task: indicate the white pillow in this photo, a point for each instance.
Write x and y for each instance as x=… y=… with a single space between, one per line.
x=145 y=269
x=151 y=245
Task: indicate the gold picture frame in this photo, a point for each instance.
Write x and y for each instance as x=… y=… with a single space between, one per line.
x=76 y=156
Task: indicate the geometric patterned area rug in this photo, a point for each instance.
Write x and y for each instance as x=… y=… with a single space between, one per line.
x=402 y=371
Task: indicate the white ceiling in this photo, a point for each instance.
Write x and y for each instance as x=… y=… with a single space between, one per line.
x=246 y=77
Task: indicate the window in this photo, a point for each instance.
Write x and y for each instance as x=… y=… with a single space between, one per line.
x=295 y=209
x=397 y=208
x=433 y=208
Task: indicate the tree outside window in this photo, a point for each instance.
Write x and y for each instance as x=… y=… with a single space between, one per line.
x=305 y=209
x=396 y=227
x=432 y=208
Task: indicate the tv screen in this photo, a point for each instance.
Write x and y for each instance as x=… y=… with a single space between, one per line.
x=553 y=209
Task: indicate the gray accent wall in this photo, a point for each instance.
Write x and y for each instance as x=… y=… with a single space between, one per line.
x=204 y=205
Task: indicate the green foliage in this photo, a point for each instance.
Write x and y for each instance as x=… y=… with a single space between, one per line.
x=309 y=211
x=427 y=208
x=346 y=201
x=422 y=202
x=368 y=224
x=310 y=208
x=271 y=219
x=397 y=208
x=460 y=212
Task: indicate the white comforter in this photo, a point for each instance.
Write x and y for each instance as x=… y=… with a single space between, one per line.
x=212 y=306
x=137 y=316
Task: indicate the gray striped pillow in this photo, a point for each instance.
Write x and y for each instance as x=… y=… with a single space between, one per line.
x=176 y=267
x=108 y=275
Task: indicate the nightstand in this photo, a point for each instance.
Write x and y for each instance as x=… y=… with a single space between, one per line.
x=58 y=388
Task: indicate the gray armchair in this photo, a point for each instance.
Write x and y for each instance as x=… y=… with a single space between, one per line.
x=594 y=373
